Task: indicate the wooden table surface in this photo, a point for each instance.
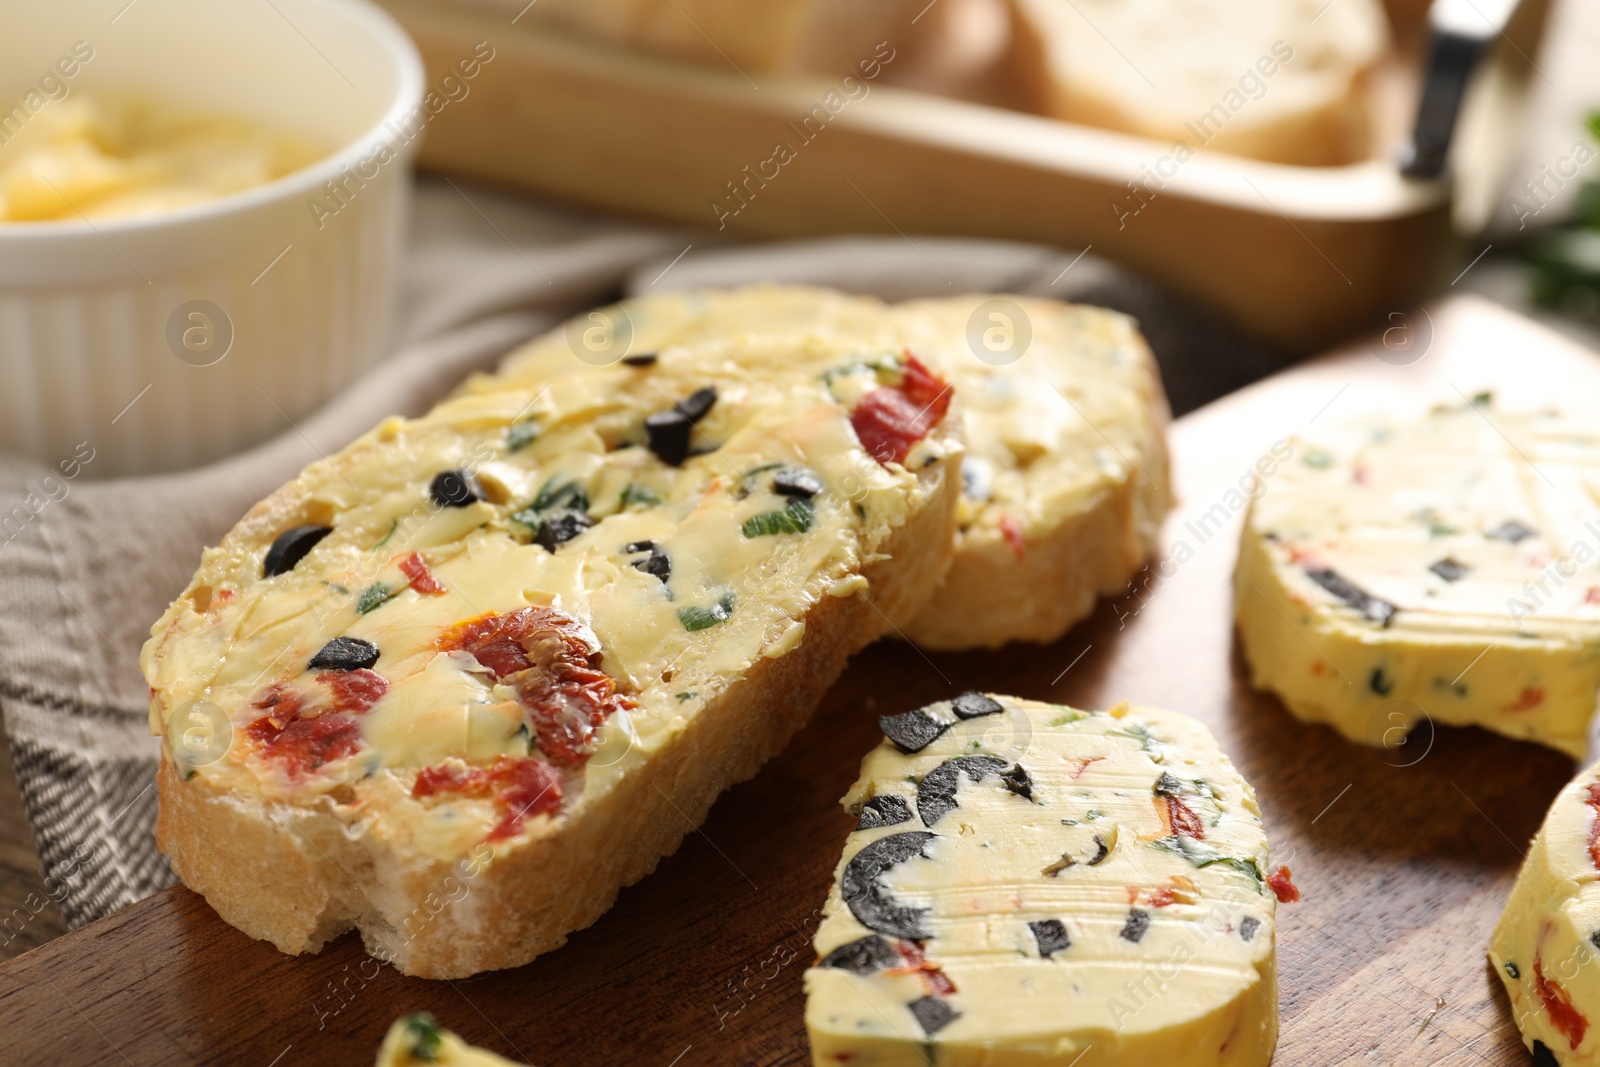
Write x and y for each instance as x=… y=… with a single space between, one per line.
x=1404 y=857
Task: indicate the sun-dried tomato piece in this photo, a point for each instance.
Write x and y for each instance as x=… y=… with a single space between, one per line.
x=415 y=568
x=304 y=745
x=1594 y=827
x=935 y=981
x=890 y=420
x=1566 y=1018
x=1184 y=820
x=354 y=691
x=1282 y=887
x=1530 y=697
x=521 y=788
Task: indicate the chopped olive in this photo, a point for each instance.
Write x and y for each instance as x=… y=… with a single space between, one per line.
x=1542 y=1056
x=865 y=895
x=793 y=518
x=933 y=1014
x=668 y=431
x=887 y=810
x=1248 y=927
x=973 y=705
x=1101 y=851
x=797 y=482
x=454 y=489
x=1511 y=531
x=424 y=1036
x=376 y=595
x=936 y=796
x=657 y=563
x=1511 y=969
x=866 y=955
x=1450 y=570
x=560 y=528
x=521 y=434
x=344 y=654
x=1380 y=682
x=700 y=618
x=1051 y=935
x=911 y=731
x=1138 y=922
x=1168 y=786
x=290 y=547
x=1377 y=610
x=643 y=359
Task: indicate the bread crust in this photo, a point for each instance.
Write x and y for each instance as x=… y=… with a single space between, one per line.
x=300 y=876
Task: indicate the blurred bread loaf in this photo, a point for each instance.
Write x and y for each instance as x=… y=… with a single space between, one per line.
x=1278 y=80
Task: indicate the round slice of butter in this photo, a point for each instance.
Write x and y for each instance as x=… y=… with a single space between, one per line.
x=1034 y=884
x=1546 y=948
x=1446 y=569
x=417 y=1039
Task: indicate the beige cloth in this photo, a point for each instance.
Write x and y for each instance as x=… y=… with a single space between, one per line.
x=82 y=581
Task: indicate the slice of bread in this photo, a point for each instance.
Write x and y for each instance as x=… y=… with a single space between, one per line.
x=823 y=36
x=1280 y=80
x=460 y=682
x=1066 y=470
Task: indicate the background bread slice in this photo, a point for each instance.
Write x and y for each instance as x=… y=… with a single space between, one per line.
x=1065 y=421
x=299 y=860
x=1279 y=80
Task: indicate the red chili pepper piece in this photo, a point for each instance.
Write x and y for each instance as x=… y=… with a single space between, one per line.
x=1286 y=890
x=934 y=979
x=890 y=420
x=415 y=568
x=1566 y=1018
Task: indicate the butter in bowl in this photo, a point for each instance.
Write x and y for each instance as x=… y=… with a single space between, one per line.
x=202 y=208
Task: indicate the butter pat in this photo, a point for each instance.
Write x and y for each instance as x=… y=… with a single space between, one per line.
x=1442 y=568
x=1544 y=948
x=1033 y=884
x=418 y=1039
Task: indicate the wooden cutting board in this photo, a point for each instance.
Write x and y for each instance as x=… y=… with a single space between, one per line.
x=1404 y=857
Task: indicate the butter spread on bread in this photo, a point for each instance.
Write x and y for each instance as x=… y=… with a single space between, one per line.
x=531 y=635
x=1033 y=884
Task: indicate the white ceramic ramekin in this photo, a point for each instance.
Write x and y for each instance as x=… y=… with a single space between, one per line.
x=169 y=340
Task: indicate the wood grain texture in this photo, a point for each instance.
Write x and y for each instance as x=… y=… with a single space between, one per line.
x=1404 y=857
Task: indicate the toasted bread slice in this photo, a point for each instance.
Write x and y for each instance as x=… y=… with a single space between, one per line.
x=1018 y=872
x=460 y=682
x=1284 y=80
x=1066 y=471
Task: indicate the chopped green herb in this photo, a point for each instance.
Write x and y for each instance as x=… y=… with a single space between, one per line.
x=861 y=512
x=422 y=1031
x=1140 y=733
x=394 y=524
x=1203 y=787
x=764 y=468
x=638 y=494
x=880 y=365
x=1091 y=815
x=1204 y=856
x=1380 y=683
x=1483 y=399
x=1439 y=529
x=699 y=618
x=1511 y=969
x=1069 y=822
x=1458 y=688
x=685 y=696
x=567 y=496
x=1317 y=458
x=521 y=434
x=1065 y=718
x=376 y=595
x=793 y=518
x=336 y=587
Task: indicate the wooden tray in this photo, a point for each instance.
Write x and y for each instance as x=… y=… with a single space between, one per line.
x=1404 y=858
x=1299 y=256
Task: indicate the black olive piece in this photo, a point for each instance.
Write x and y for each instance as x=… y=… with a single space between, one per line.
x=933 y=1014
x=643 y=359
x=869 y=901
x=1450 y=570
x=1594 y=939
x=290 y=547
x=1373 y=608
x=972 y=705
x=936 y=795
x=796 y=481
x=1380 y=682
x=887 y=810
x=639 y=546
x=557 y=530
x=1511 y=531
x=1542 y=1056
x=866 y=955
x=1168 y=786
x=1248 y=927
x=344 y=654
x=657 y=562
x=911 y=731
x=697 y=404
x=454 y=489
x=1051 y=935
x=668 y=430
x=1138 y=922
x=1101 y=853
